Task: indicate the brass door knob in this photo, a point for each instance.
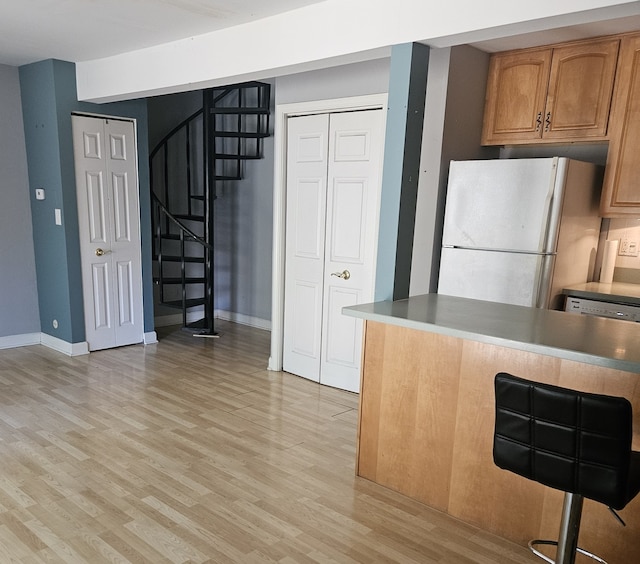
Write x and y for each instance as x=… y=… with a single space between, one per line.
x=345 y=274
x=100 y=252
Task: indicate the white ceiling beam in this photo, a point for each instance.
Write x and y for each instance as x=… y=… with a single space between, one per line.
x=324 y=34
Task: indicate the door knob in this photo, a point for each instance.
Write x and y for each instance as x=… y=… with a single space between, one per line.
x=100 y=252
x=345 y=274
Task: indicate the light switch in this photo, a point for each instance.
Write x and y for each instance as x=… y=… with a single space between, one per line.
x=39 y=193
x=58 y=213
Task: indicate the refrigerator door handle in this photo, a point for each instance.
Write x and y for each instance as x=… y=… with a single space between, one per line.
x=544 y=281
x=554 y=204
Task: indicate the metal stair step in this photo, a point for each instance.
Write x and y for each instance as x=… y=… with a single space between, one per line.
x=224 y=177
x=243 y=134
x=177 y=258
x=176 y=237
x=188 y=217
x=244 y=111
x=174 y=280
x=191 y=302
x=231 y=156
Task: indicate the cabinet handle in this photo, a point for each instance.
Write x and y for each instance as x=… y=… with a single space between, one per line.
x=547 y=122
x=538 y=121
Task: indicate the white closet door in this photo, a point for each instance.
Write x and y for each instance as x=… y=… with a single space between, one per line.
x=334 y=169
x=307 y=153
x=109 y=224
x=353 y=203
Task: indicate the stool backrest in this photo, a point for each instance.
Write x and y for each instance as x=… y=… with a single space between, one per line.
x=572 y=441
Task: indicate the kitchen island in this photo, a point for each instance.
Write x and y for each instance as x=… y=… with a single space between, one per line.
x=427 y=408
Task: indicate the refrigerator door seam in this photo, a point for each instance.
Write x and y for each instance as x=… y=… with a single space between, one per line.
x=496 y=250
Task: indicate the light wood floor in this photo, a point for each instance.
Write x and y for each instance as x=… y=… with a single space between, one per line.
x=189 y=451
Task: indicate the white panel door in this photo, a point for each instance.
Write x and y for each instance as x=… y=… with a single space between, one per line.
x=353 y=203
x=307 y=154
x=332 y=226
x=109 y=224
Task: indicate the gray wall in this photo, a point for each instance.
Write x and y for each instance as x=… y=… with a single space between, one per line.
x=18 y=294
x=243 y=234
x=452 y=129
x=165 y=112
x=591 y=153
x=467 y=83
x=244 y=231
x=357 y=79
x=48 y=93
x=401 y=169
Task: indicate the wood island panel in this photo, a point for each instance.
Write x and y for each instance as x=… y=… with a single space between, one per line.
x=426 y=430
x=423 y=390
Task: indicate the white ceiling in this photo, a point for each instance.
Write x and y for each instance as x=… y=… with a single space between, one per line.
x=84 y=30
x=81 y=30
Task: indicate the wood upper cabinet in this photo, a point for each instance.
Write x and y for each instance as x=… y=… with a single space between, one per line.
x=516 y=95
x=621 y=189
x=551 y=94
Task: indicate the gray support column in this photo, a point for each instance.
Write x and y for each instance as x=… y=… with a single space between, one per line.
x=407 y=87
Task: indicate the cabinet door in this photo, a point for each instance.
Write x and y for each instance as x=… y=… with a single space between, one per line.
x=580 y=89
x=516 y=94
x=621 y=190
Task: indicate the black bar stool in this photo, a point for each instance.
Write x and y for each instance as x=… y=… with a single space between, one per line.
x=572 y=441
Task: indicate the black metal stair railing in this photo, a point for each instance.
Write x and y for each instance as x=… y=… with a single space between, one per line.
x=207 y=148
x=162 y=215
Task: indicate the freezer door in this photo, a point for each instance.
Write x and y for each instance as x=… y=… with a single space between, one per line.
x=500 y=204
x=512 y=278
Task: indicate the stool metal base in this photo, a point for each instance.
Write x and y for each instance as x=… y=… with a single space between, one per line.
x=568 y=538
x=534 y=543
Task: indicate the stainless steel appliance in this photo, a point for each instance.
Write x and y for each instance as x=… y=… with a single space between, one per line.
x=598 y=308
x=519 y=230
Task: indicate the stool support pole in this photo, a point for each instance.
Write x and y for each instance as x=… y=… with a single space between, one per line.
x=569 y=528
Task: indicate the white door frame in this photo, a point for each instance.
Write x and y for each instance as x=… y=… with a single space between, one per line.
x=283 y=112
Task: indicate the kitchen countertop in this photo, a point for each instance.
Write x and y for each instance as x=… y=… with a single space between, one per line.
x=593 y=340
x=617 y=292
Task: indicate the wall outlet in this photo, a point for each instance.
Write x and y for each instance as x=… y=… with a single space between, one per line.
x=628 y=248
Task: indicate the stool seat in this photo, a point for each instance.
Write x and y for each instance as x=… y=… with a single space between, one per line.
x=576 y=442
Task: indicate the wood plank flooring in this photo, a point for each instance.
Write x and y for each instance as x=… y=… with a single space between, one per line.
x=190 y=451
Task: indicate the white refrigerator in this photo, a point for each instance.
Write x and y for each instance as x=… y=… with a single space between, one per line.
x=519 y=230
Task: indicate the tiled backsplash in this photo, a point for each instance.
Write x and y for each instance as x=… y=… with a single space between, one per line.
x=626 y=231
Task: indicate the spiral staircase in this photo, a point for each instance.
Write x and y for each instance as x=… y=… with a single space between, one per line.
x=187 y=168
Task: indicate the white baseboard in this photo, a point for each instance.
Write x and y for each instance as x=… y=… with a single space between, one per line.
x=150 y=338
x=176 y=319
x=24 y=340
x=71 y=349
x=249 y=320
